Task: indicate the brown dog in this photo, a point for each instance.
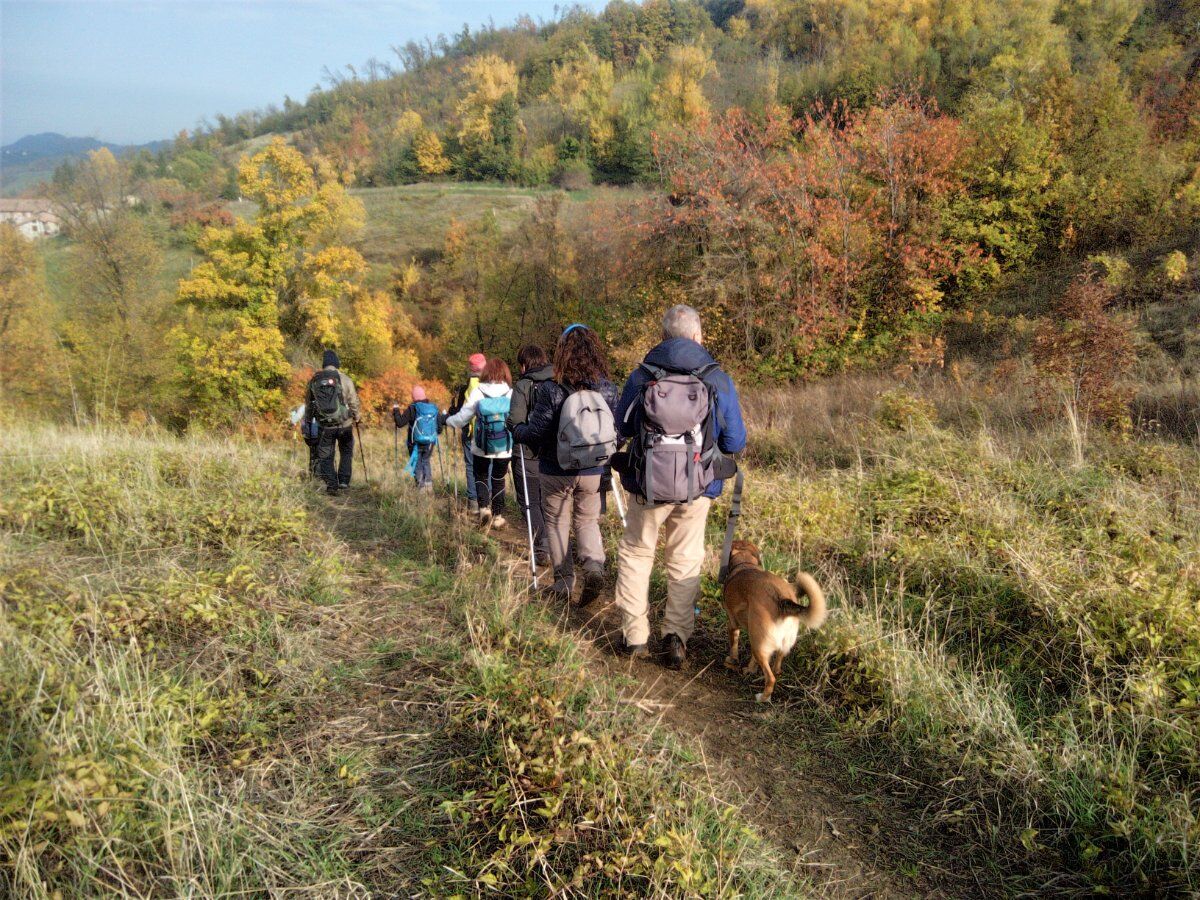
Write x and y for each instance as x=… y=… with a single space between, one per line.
x=765 y=605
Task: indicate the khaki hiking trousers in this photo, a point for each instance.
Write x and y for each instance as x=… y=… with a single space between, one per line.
x=683 y=556
x=572 y=500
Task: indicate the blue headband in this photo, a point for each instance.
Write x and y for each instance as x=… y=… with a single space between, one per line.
x=571 y=328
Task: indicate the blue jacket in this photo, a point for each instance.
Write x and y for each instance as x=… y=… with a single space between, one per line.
x=540 y=430
x=683 y=355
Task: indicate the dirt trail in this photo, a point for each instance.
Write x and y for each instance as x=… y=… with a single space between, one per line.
x=851 y=833
x=855 y=834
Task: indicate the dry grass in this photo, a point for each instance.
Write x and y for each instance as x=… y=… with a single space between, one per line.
x=214 y=683
x=1018 y=610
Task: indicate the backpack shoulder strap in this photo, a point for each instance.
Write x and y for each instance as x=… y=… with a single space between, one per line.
x=655 y=372
x=703 y=374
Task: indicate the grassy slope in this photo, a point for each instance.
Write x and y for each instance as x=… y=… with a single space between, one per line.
x=205 y=689
x=1022 y=631
x=409 y=221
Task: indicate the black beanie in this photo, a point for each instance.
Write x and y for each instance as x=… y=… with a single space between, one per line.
x=330 y=359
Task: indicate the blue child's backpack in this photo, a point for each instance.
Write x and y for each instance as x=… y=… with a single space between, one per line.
x=491 y=432
x=424 y=428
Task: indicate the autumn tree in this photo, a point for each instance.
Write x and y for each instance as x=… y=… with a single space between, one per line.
x=1083 y=355
x=285 y=273
x=430 y=156
x=114 y=336
x=678 y=97
x=490 y=128
x=486 y=81
x=412 y=151
x=797 y=234
x=582 y=88
x=29 y=369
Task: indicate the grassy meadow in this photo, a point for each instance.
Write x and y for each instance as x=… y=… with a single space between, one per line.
x=1016 y=626
x=213 y=684
x=407 y=222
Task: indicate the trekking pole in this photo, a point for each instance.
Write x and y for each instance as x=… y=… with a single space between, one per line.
x=362 y=453
x=396 y=450
x=528 y=521
x=617 y=497
x=454 y=469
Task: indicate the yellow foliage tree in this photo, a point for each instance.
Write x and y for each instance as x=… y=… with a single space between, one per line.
x=431 y=158
x=326 y=278
x=408 y=123
x=488 y=79
x=27 y=366
x=678 y=98
x=582 y=86
x=284 y=271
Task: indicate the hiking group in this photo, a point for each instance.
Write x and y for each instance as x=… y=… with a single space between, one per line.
x=670 y=434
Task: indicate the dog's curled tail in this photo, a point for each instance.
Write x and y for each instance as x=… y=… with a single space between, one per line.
x=816 y=612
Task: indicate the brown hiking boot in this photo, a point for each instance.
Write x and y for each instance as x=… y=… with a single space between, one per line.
x=673 y=652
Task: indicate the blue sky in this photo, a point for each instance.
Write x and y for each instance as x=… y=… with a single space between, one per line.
x=131 y=72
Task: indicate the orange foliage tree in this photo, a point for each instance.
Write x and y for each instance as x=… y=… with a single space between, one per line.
x=1083 y=355
x=801 y=232
x=395 y=386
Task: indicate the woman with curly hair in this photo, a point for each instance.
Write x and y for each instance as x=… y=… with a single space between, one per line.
x=570 y=495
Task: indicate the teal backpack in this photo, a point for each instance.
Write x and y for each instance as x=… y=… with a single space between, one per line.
x=491 y=433
x=424 y=427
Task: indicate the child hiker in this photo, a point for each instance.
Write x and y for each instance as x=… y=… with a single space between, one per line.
x=421 y=419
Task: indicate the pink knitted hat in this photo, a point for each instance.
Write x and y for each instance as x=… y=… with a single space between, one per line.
x=476 y=361
x=418 y=393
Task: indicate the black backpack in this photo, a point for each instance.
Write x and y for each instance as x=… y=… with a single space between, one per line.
x=329 y=405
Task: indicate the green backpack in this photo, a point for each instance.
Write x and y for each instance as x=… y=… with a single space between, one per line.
x=492 y=436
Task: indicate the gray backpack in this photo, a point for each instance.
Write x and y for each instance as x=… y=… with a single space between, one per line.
x=587 y=433
x=672 y=456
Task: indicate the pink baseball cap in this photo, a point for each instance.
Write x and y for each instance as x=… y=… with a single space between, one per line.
x=418 y=392
x=476 y=361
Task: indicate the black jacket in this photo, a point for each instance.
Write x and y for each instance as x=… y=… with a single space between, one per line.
x=524 y=393
x=541 y=430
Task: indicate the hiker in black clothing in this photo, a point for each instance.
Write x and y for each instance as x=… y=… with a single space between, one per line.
x=535 y=371
x=572 y=428
x=332 y=402
x=424 y=425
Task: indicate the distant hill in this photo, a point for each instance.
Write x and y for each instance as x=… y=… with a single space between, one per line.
x=26 y=161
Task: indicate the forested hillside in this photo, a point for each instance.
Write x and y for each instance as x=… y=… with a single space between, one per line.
x=949 y=254
x=835 y=185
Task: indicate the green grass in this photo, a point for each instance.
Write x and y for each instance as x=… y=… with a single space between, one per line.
x=409 y=221
x=1028 y=629
x=60 y=281
x=214 y=683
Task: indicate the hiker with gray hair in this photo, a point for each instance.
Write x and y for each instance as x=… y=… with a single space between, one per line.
x=683 y=423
